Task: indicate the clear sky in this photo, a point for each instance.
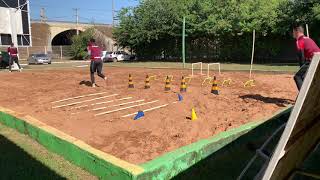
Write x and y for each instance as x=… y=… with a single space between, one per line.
x=99 y=11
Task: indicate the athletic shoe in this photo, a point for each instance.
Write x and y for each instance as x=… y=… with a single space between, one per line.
x=105 y=78
x=93 y=85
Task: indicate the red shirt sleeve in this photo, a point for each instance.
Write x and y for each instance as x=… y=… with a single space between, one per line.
x=300 y=44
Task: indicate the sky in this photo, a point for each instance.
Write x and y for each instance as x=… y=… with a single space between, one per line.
x=97 y=11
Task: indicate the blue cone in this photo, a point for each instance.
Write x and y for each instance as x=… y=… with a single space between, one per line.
x=139 y=115
x=180 y=97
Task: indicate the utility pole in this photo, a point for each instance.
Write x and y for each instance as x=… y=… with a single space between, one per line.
x=112 y=13
x=77 y=19
x=184 y=42
x=43 y=17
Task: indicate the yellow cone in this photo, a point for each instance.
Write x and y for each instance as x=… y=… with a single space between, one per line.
x=193 y=115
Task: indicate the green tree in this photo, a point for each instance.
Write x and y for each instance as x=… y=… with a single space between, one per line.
x=316 y=11
x=155 y=26
x=80 y=42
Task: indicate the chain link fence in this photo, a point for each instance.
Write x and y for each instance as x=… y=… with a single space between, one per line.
x=56 y=52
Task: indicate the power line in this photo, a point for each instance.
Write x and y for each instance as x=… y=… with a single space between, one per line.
x=43 y=16
x=112 y=13
x=77 y=19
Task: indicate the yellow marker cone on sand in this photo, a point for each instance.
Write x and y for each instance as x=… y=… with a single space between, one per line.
x=193 y=115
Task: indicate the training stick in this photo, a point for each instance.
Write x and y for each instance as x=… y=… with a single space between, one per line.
x=71 y=104
x=97 y=109
x=146 y=110
x=77 y=97
x=116 y=110
x=106 y=102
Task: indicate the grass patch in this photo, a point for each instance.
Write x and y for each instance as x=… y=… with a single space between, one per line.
x=23 y=158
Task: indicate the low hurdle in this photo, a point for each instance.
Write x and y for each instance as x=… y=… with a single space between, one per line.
x=192 y=68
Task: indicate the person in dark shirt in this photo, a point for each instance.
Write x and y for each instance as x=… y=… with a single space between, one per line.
x=13 y=54
x=96 y=61
x=306 y=48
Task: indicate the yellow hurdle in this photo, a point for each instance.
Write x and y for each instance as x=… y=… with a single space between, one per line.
x=209 y=79
x=188 y=79
x=154 y=77
x=226 y=82
x=249 y=83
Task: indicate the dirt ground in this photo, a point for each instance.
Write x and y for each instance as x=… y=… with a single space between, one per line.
x=161 y=130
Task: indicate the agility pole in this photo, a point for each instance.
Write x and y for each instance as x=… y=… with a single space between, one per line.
x=252 y=55
x=117 y=105
x=250 y=82
x=146 y=110
x=78 y=97
x=116 y=110
x=89 y=100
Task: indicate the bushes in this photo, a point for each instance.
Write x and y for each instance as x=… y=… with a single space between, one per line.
x=215 y=29
x=79 y=44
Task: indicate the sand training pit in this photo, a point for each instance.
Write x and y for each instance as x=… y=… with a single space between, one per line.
x=103 y=116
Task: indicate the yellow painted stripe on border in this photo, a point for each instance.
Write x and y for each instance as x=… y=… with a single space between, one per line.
x=134 y=169
x=5 y=110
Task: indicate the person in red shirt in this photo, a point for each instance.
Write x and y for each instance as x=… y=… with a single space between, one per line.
x=306 y=48
x=13 y=54
x=96 y=64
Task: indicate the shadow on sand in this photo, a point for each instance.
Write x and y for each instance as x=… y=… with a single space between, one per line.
x=281 y=102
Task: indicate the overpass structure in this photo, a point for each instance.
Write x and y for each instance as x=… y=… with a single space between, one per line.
x=59 y=33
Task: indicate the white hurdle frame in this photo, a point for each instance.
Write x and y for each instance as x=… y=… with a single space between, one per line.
x=192 y=67
x=210 y=64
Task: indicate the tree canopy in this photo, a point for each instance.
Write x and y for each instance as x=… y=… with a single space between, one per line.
x=156 y=25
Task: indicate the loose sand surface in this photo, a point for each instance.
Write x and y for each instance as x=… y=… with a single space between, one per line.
x=159 y=131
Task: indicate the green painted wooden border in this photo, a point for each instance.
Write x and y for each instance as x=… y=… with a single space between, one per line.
x=177 y=161
x=163 y=167
x=71 y=152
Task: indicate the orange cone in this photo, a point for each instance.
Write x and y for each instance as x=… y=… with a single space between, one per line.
x=183 y=87
x=130 y=85
x=215 y=88
x=147 y=82
x=168 y=85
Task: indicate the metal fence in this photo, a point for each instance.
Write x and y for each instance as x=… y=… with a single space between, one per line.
x=56 y=52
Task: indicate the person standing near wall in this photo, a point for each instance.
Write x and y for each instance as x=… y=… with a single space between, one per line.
x=13 y=56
